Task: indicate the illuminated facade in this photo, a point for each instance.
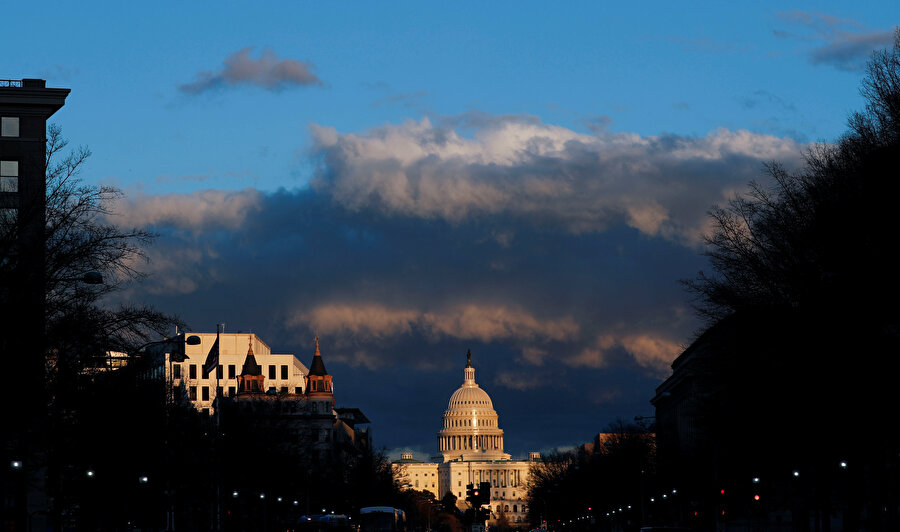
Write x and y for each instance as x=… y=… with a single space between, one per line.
x=470 y=443
x=283 y=373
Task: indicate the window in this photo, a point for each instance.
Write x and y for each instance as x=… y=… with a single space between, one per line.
x=205 y=373
x=230 y=371
x=193 y=371
x=231 y=391
x=192 y=393
x=218 y=372
x=272 y=371
x=9 y=126
x=176 y=371
x=218 y=391
x=298 y=389
x=515 y=508
x=9 y=176
x=283 y=389
x=284 y=372
x=204 y=393
x=8 y=216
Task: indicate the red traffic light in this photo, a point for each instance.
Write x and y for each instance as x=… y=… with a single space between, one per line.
x=475 y=493
x=721 y=492
x=756 y=497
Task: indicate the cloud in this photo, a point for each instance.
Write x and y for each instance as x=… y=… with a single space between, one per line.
x=842 y=43
x=518 y=380
x=534 y=355
x=548 y=175
x=485 y=323
x=197 y=211
x=651 y=351
x=598 y=124
x=398 y=300
x=763 y=97
x=268 y=72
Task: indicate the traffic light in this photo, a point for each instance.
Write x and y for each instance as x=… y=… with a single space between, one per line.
x=484 y=493
x=471 y=493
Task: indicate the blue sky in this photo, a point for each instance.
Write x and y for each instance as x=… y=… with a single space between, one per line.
x=410 y=180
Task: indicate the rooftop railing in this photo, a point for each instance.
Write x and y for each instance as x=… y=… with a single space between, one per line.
x=10 y=82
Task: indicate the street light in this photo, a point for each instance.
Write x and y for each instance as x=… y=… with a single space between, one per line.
x=16 y=464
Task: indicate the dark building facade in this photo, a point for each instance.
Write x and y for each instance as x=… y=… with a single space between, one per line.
x=25 y=106
x=762 y=425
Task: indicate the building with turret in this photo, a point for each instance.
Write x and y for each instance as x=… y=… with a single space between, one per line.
x=252 y=382
x=470 y=443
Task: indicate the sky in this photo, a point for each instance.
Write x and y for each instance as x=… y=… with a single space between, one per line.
x=409 y=180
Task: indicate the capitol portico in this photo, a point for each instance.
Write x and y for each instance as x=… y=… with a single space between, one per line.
x=470 y=443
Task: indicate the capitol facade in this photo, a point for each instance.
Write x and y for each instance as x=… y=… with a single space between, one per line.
x=470 y=443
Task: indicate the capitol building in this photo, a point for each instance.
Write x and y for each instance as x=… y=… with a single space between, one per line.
x=470 y=444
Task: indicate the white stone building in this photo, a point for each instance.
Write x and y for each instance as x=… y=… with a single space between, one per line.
x=470 y=443
x=283 y=373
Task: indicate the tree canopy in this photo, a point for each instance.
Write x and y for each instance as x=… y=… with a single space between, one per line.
x=819 y=238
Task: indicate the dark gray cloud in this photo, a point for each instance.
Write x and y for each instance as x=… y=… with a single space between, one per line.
x=842 y=43
x=268 y=72
x=562 y=296
x=598 y=124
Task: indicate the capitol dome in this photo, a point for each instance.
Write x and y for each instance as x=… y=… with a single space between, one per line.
x=470 y=425
x=466 y=396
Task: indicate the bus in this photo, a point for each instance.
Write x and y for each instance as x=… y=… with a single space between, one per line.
x=381 y=519
x=324 y=523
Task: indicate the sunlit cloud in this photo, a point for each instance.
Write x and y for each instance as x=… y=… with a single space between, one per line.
x=196 y=211
x=485 y=323
x=651 y=351
x=268 y=72
x=542 y=174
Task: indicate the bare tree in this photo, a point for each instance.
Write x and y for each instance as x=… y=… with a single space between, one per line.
x=819 y=237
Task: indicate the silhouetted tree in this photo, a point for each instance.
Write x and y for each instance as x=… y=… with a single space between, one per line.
x=820 y=236
x=71 y=230
x=610 y=472
x=804 y=332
